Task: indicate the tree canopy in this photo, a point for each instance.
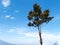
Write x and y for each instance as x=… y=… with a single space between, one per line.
x=37 y=16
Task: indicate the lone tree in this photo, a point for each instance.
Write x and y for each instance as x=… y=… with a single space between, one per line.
x=37 y=18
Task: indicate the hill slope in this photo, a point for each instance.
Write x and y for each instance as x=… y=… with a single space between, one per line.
x=5 y=43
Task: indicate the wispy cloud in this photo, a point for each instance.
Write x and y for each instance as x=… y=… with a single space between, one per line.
x=9 y=17
x=16 y=11
x=48 y=38
x=6 y=3
x=12 y=17
x=30 y=34
x=17 y=30
x=11 y=30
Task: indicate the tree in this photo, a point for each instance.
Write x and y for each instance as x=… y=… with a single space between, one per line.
x=37 y=18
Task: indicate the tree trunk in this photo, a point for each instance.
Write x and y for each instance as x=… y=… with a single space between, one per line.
x=39 y=29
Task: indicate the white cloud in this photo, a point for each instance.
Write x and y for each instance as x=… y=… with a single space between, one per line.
x=17 y=30
x=11 y=30
x=6 y=3
x=48 y=39
x=21 y=30
x=12 y=17
x=9 y=17
x=30 y=34
x=33 y=37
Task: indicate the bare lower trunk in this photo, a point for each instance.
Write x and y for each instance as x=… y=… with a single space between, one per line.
x=39 y=29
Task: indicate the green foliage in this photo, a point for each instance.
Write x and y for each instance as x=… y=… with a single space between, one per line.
x=38 y=17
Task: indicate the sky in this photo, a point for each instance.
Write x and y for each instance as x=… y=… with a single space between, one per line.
x=13 y=22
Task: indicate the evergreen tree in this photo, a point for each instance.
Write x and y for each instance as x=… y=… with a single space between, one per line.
x=37 y=18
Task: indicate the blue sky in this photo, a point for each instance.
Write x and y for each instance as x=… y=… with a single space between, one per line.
x=13 y=21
